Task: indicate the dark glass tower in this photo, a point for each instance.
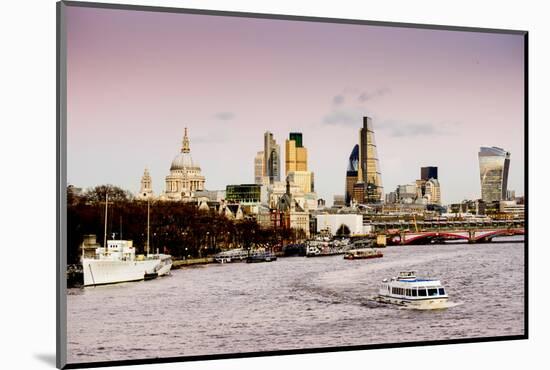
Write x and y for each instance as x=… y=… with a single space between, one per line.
x=297 y=137
x=427 y=173
x=351 y=174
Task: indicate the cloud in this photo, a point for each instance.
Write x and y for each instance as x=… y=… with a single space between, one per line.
x=411 y=129
x=224 y=116
x=348 y=106
x=338 y=99
x=344 y=117
x=366 y=96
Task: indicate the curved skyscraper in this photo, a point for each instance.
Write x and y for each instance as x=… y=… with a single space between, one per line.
x=494 y=164
x=351 y=173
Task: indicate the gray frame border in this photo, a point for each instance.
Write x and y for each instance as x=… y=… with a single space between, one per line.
x=61 y=193
x=61 y=179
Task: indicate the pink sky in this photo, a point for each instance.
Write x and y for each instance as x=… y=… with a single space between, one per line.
x=136 y=79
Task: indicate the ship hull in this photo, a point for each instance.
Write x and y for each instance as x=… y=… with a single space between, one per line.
x=165 y=269
x=100 y=272
x=426 y=303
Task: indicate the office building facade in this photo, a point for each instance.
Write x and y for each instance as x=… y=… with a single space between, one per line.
x=494 y=164
x=368 y=171
x=243 y=193
x=427 y=173
x=272 y=158
x=296 y=166
x=351 y=175
x=259 y=168
x=296 y=153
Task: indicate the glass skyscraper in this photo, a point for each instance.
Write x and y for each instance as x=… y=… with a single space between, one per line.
x=259 y=168
x=244 y=193
x=427 y=173
x=351 y=174
x=272 y=158
x=369 y=168
x=494 y=164
x=296 y=153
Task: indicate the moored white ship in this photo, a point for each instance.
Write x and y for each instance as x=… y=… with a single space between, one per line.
x=116 y=264
x=407 y=290
x=116 y=261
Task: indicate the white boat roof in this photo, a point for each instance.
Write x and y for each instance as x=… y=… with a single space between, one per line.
x=407 y=283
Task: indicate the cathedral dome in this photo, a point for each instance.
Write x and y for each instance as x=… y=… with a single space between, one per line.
x=182 y=161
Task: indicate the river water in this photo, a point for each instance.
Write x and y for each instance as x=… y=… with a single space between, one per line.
x=297 y=303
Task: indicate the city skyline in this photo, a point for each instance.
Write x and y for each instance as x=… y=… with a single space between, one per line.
x=132 y=90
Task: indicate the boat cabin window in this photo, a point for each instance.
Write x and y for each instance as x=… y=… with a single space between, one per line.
x=398 y=291
x=441 y=291
x=421 y=292
x=432 y=291
x=413 y=292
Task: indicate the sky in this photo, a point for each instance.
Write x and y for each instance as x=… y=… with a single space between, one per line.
x=136 y=79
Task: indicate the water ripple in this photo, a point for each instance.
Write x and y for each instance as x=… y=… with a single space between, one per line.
x=297 y=303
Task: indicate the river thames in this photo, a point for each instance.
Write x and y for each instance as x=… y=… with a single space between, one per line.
x=298 y=303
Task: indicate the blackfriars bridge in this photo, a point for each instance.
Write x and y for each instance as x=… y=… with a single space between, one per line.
x=425 y=232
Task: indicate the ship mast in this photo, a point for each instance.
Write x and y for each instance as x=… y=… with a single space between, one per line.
x=147 y=250
x=105 y=230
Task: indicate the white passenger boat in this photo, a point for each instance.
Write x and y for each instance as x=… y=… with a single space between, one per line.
x=408 y=290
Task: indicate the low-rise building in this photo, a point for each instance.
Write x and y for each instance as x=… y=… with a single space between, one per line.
x=340 y=224
x=510 y=207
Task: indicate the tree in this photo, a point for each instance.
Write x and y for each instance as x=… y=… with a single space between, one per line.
x=116 y=194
